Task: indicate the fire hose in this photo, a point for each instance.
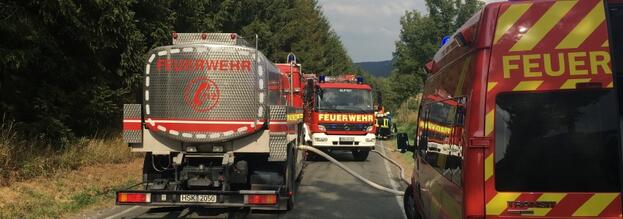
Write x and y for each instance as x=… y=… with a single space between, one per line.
x=357 y=175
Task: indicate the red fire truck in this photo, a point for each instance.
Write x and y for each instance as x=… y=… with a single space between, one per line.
x=214 y=126
x=524 y=91
x=339 y=114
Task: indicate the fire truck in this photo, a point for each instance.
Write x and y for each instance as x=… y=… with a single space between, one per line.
x=214 y=127
x=339 y=114
x=520 y=115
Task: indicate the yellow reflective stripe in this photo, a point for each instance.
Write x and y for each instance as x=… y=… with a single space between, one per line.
x=570 y=84
x=595 y=205
x=489 y=122
x=459 y=87
x=527 y=85
x=585 y=28
x=294 y=116
x=510 y=17
x=605 y=44
x=491 y=85
x=488 y=167
x=498 y=204
x=536 y=33
x=547 y=197
x=611 y=85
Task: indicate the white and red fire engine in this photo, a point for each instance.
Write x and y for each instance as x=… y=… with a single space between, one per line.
x=339 y=114
x=214 y=126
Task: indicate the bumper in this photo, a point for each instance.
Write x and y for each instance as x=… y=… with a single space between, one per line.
x=322 y=140
x=224 y=199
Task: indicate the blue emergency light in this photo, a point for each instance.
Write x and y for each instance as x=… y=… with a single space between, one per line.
x=445 y=40
x=321 y=78
x=359 y=80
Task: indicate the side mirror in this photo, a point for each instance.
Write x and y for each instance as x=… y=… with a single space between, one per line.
x=402 y=141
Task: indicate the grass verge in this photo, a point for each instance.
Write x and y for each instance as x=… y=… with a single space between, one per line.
x=404 y=159
x=67 y=193
x=23 y=158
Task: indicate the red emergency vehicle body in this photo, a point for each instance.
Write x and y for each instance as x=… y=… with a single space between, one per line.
x=538 y=127
x=292 y=70
x=340 y=116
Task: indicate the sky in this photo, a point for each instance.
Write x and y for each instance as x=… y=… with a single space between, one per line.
x=368 y=28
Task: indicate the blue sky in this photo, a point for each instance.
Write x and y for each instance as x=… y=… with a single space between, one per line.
x=368 y=28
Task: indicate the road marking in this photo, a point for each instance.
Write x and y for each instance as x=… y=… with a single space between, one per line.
x=391 y=179
x=117 y=215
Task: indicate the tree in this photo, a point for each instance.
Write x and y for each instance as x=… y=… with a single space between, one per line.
x=67 y=66
x=420 y=37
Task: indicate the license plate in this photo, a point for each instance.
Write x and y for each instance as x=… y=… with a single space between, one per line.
x=347 y=139
x=197 y=198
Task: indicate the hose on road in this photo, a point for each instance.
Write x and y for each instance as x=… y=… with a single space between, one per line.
x=355 y=174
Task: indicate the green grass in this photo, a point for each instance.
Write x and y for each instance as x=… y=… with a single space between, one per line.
x=23 y=158
x=37 y=204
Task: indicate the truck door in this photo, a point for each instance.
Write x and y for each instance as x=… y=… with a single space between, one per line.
x=551 y=112
x=615 y=27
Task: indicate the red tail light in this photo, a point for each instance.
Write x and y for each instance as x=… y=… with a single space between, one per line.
x=262 y=199
x=133 y=197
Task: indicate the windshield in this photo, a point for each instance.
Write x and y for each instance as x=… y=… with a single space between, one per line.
x=558 y=141
x=345 y=100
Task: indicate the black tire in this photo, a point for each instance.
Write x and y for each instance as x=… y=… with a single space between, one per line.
x=238 y=213
x=361 y=154
x=409 y=204
x=161 y=162
x=291 y=177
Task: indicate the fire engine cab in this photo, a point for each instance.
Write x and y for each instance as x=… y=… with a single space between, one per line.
x=339 y=114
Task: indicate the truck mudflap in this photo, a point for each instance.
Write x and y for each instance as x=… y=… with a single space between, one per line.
x=257 y=199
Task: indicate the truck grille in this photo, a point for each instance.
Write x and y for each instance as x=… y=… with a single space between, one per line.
x=345 y=127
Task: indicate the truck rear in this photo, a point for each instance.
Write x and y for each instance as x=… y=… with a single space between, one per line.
x=551 y=113
x=214 y=131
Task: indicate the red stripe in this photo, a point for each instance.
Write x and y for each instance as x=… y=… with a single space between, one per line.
x=131 y=126
x=204 y=120
x=527 y=20
x=613 y=209
x=568 y=205
x=563 y=28
x=199 y=127
x=278 y=127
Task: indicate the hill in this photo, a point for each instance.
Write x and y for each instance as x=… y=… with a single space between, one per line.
x=378 y=69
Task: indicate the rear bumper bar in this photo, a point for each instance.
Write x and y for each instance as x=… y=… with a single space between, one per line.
x=224 y=199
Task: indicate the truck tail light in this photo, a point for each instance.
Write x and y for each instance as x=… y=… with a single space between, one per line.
x=124 y=197
x=262 y=199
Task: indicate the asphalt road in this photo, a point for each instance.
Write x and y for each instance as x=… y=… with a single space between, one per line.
x=325 y=191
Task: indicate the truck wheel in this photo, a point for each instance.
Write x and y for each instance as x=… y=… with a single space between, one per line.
x=150 y=173
x=360 y=154
x=238 y=213
x=409 y=204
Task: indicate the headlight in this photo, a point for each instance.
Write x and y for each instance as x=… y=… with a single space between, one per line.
x=217 y=148
x=370 y=128
x=322 y=128
x=369 y=139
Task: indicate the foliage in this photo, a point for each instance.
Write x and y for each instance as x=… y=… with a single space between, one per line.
x=420 y=38
x=67 y=66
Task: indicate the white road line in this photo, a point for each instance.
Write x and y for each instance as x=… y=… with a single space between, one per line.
x=117 y=215
x=391 y=179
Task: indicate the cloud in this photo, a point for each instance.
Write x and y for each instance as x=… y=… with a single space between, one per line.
x=368 y=28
